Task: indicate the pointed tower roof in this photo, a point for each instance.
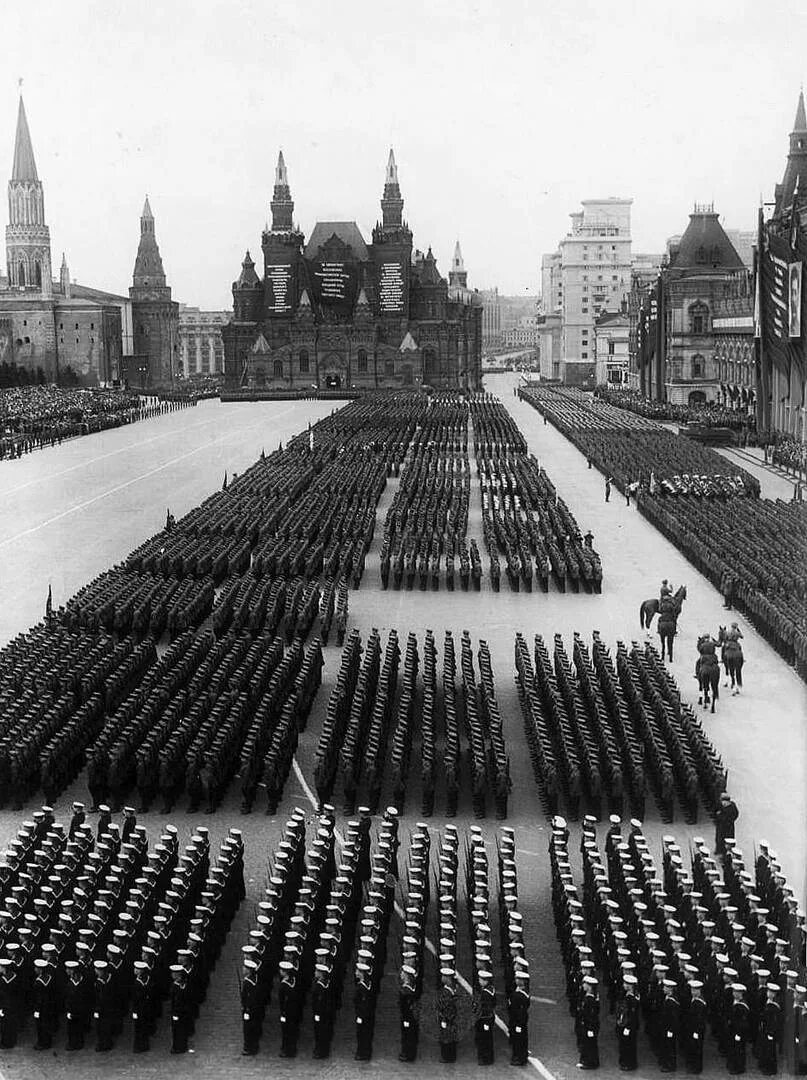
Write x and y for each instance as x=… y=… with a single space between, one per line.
x=248 y=278
x=24 y=167
x=281 y=176
x=795 y=178
x=64 y=261
x=457 y=263
x=392 y=169
x=148 y=268
x=800 y=123
x=704 y=246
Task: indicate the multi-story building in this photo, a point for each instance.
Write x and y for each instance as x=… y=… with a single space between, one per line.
x=673 y=336
x=53 y=326
x=611 y=357
x=201 y=349
x=780 y=313
x=337 y=312
x=588 y=274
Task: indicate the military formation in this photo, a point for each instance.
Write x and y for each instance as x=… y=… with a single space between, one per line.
x=324 y=921
x=99 y=934
x=366 y=741
x=604 y=737
x=680 y=952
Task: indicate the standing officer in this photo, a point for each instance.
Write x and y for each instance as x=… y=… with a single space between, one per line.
x=518 y=1015
x=769 y=1032
x=408 y=1006
x=143 y=995
x=44 y=1002
x=181 y=1009
x=78 y=1002
x=669 y=1026
x=693 y=1028
x=485 y=1017
x=725 y=817
x=627 y=1023
x=10 y=1002
x=365 y=1012
x=251 y=1015
x=447 y=1014
x=589 y=1021
x=288 y=996
x=738 y=1027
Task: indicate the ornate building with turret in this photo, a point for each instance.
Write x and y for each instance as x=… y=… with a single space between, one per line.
x=338 y=313
x=48 y=325
x=155 y=316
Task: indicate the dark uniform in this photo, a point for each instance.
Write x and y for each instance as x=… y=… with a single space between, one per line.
x=627 y=1025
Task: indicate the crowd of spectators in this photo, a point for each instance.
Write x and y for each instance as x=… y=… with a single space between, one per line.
x=32 y=417
x=790 y=454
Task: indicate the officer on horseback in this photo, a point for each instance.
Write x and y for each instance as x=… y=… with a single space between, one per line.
x=665 y=592
x=732 y=656
x=707 y=670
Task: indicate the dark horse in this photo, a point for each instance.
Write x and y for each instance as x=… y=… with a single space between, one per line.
x=707 y=672
x=650 y=608
x=731 y=655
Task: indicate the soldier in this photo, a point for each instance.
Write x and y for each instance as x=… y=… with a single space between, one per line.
x=627 y=1023
x=693 y=1028
x=181 y=1009
x=769 y=1032
x=104 y=1006
x=518 y=1016
x=289 y=1005
x=322 y=1008
x=77 y=820
x=799 y=1031
x=251 y=1011
x=10 y=1003
x=485 y=1017
x=447 y=1014
x=365 y=1001
x=725 y=817
x=738 y=1026
x=669 y=1025
x=78 y=1002
x=408 y=1006
x=589 y=1024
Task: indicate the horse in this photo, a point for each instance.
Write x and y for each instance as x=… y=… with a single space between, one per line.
x=707 y=672
x=732 y=657
x=650 y=608
x=667 y=628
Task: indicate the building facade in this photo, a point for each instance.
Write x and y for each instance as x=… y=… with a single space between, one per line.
x=47 y=325
x=155 y=315
x=588 y=274
x=335 y=312
x=780 y=321
x=491 y=318
x=611 y=355
x=673 y=328
x=201 y=349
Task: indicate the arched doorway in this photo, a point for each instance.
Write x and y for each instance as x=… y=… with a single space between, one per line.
x=697 y=397
x=333 y=372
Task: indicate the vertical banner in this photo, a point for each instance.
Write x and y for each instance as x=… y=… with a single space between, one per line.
x=794 y=299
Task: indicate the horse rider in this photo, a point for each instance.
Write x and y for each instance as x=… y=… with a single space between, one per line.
x=665 y=590
x=733 y=655
x=734 y=634
x=707 y=647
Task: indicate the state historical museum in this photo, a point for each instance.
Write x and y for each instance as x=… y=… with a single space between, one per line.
x=338 y=313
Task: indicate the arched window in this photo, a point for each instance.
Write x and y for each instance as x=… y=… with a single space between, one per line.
x=698 y=318
x=361 y=361
x=21 y=273
x=304 y=362
x=429 y=362
x=278 y=369
x=697 y=366
x=38 y=273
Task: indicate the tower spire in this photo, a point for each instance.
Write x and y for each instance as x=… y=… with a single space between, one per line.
x=458 y=275
x=24 y=167
x=391 y=203
x=796 y=168
x=282 y=204
x=27 y=235
x=148 y=268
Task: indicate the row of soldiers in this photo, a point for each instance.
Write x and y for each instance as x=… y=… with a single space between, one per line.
x=684 y=951
x=94 y=928
x=600 y=733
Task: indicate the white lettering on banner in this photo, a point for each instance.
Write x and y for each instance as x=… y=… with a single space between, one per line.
x=333 y=279
x=391 y=286
x=279 y=278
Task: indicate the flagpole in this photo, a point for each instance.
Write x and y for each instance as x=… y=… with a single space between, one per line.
x=763 y=375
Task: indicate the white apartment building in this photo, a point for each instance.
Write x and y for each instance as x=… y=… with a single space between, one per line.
x=588 y=274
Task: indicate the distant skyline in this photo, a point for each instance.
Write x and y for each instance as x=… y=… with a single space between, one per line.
x=503 y=115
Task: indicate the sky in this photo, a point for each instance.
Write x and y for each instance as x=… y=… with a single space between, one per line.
x=503 y=114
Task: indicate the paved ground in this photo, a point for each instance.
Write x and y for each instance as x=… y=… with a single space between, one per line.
x=74 y=510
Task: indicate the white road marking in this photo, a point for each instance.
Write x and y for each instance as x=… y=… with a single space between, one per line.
x=466 y=986
x=111 y=453
x=125 y=484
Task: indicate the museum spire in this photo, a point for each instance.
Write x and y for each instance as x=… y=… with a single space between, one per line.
x=282 y=204
x=391 y=203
